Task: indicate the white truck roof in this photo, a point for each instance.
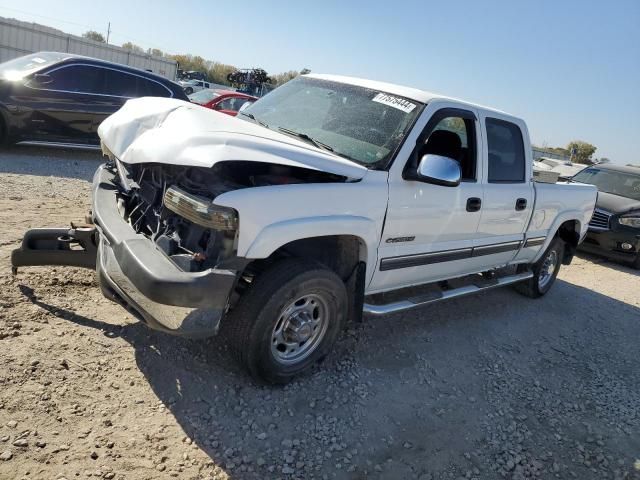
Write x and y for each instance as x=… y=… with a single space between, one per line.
x=401 y=90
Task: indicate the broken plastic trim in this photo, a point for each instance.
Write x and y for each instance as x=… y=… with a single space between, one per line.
x=72 y=247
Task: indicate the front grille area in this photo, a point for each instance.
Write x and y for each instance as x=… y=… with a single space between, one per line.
x=600 y=220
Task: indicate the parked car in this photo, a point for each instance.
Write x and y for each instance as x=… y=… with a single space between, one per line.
x=61 y=98
x=332 y=191
x=191 y=86
x=224 y=101
x=614 y=230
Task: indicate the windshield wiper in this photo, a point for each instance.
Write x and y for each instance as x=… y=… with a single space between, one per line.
x=252 y=117
x=304 y=136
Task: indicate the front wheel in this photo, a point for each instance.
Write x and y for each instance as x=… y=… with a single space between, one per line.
x=545 y=271
x=188 y=90
x=287 y=321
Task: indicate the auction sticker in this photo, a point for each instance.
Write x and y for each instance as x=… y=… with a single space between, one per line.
x=395 y=102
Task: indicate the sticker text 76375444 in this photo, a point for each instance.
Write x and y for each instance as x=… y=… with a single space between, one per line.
x=395 y=102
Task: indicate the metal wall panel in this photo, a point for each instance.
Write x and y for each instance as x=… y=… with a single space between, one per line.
x=21 y=38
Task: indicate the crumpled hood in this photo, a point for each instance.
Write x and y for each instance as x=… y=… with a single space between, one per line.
x=175 y=132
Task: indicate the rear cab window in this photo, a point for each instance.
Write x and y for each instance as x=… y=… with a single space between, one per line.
x=506 y=159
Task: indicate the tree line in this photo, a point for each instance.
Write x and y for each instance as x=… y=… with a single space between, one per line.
x=216 y=72
x=578 y=151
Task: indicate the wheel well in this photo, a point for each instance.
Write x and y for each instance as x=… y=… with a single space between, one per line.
x=340 y=253
x=346 y=255
x=569 y=232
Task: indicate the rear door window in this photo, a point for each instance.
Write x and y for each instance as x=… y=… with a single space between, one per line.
x=121 y=84
x=150 y=88
x=231 y=103
x=506 y=152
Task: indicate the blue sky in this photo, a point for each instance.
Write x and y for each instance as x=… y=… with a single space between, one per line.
x=571 y=69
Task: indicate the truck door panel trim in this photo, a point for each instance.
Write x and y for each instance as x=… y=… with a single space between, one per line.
x=496 y=248
x=405 y=261
x=534 y=242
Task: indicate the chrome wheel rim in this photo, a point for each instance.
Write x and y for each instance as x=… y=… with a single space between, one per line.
x=300 y=328
x=547 y=269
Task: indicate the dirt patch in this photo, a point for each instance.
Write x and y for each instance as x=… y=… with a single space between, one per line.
x=495 y=386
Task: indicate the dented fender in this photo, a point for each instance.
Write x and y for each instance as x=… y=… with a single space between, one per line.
x=272 y=216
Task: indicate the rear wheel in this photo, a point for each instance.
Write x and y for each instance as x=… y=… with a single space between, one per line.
x=287 y=321
x=545 y=271
x=188 y=90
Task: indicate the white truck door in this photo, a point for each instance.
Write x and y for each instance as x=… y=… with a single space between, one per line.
x=508 y=189
x=430 y=229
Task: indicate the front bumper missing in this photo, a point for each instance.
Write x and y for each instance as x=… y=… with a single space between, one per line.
x=133 y=272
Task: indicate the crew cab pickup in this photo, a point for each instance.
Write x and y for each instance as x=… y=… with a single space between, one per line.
x=329 y=197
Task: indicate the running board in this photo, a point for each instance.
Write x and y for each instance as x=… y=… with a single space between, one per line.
x=434 y=297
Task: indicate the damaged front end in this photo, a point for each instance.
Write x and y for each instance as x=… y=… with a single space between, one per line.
x=154 y=252
x=160 y=245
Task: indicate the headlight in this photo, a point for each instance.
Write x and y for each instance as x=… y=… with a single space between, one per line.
x=200 y=210
x=630 y=221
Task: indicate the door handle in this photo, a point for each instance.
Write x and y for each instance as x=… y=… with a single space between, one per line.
x=473 y=204
x=521 y=204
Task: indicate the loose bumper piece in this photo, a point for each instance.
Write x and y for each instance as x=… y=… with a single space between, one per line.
x=72 y=247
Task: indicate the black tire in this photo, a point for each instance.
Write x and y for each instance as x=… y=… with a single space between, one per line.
x=250 y=328
x=636 y=262
x=542 y=279
x=188 y=90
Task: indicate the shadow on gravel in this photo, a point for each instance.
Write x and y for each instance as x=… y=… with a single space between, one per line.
x=567 y=342
x=50 y=162
x=624 y=267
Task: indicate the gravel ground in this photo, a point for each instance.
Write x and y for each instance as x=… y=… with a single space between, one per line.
x=493 y=386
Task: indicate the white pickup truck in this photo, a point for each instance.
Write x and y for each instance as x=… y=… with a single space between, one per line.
x=327 y=198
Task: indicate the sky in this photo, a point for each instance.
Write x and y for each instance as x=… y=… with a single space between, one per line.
x=570 y=68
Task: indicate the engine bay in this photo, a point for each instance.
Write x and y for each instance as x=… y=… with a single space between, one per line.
x=190 y=246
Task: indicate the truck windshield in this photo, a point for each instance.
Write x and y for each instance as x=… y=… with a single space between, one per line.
x=363 y=125
x=610 y=181
x=20 y=67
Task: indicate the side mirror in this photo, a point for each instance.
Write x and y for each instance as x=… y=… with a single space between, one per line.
x=439 y=170
x=41 y=79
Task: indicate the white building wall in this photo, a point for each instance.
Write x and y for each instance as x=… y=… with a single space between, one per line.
x=21 y=38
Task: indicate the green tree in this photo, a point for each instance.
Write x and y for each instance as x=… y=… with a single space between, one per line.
x=281 y=78
x=217 y=72
x=583 y=151
x=156 y=52
x=93 y=35
x=133 y=47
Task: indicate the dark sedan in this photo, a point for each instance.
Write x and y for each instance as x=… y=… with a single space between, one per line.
x=614 y=230
x=59 y=98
